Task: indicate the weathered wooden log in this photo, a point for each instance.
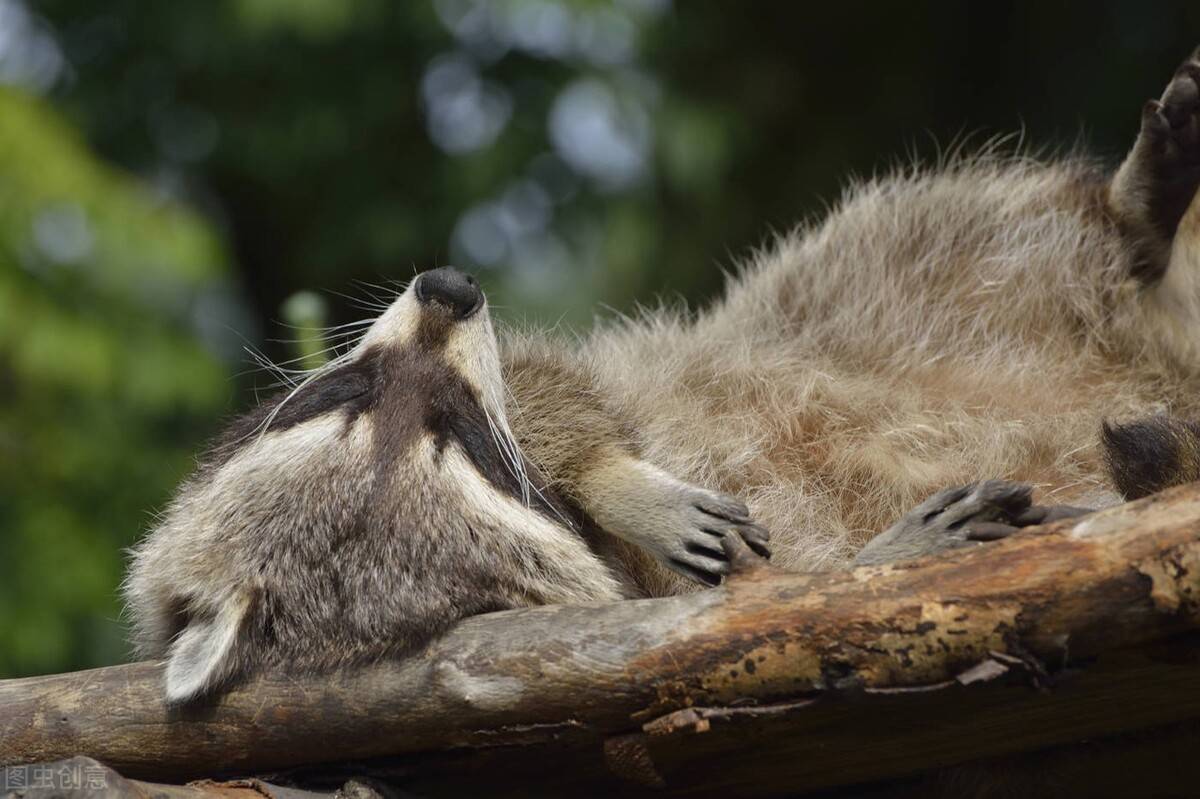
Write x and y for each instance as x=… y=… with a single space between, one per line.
x=831 y=671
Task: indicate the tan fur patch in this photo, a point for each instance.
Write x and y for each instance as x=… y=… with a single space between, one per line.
x=938 y=328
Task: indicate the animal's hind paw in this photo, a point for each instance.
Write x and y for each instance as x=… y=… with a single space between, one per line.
x=1171 y=131
x=962 y=516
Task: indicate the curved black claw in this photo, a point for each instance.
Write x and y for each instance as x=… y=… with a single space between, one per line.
x=702 y=521
x=1048 y=514
x=743 y=556
x=731 y=516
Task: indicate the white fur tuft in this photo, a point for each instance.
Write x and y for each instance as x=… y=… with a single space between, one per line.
x=204 y=654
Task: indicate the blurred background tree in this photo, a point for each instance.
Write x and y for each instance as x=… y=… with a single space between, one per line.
x=177 y=179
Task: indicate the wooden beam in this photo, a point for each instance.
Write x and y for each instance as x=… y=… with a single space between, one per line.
x=1075 y=629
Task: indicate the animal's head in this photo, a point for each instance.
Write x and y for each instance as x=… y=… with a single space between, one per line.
x=345 y=514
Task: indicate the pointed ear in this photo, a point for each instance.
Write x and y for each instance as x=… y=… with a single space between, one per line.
x=206 y=652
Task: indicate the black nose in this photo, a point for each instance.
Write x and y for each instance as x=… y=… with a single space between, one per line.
x=459 y=292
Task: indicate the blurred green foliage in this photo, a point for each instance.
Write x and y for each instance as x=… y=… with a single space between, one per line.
x=103 y=385
x=576 y=154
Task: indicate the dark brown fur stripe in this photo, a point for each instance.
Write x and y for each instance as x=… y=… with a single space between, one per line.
x=424 y=393
x=348 y=387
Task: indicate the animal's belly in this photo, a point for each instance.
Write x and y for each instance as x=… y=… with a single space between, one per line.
x=845 y=465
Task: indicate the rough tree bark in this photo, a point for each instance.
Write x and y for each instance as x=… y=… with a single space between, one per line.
x=773 y=682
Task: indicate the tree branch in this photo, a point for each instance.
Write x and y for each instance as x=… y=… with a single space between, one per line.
x=1075 y=629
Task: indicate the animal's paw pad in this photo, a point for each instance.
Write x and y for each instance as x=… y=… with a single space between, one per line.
x=1173 y=121
x=1171 y=128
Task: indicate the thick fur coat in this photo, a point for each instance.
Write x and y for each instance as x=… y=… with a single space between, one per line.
x=977 y=320
x=980 y=319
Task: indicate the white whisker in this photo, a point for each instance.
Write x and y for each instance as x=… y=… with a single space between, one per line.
x=313 y=375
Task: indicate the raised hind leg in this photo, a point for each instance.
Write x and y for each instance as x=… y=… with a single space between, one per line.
x=1153 y=189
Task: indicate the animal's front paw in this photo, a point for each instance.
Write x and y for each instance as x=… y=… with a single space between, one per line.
x=704 y=519
x=681 y=524
x=962 y=516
